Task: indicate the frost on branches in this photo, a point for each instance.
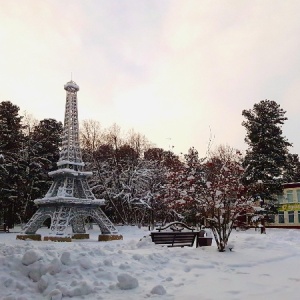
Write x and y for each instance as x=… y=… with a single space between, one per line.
x=210 y=192
x=223 y=199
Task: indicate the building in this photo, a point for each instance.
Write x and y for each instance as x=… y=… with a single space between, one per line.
x=288 y=207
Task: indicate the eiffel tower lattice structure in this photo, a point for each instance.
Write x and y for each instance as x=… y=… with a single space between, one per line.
x=69 y=201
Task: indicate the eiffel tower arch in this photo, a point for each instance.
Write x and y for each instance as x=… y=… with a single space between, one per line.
x=69 y=201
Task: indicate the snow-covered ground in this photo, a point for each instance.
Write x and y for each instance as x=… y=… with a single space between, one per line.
x=259 y=267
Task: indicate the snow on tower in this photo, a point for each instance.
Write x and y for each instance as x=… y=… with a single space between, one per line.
x=69 y=201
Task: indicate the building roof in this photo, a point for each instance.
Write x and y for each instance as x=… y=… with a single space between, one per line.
x=291 y=185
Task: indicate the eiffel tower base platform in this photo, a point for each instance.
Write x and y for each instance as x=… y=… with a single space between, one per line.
x=80 y=236
x=58 y=238
x=69 y=216
x=109 y=237
x=33 y=237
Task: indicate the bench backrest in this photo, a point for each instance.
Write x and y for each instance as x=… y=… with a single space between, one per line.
x=174 y=238
x=176 y=224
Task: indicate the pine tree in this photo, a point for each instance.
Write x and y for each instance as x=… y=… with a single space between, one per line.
x=266 y=158
x=11 y=141
x=47 y=139
x=292 y=173
x=40 y=153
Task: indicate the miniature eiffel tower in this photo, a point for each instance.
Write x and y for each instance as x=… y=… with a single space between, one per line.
x=69 y=201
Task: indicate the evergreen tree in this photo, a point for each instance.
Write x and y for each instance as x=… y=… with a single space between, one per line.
x=266 y=158
x=292 y=173
x=11 y=142
x=39 y=156
x=47 y=139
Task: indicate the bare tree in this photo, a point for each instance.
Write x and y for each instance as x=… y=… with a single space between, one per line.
x=91 y=135
x=209 y=191
x=223 y=198
x=138 y=142
x=29 y=122
x=120 y=175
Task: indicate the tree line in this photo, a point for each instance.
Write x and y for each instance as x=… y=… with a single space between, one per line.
x=143 y=184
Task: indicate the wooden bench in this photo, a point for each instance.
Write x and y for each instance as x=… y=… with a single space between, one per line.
x=4 y=228
x=176 y=236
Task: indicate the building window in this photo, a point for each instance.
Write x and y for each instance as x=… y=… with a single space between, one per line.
x=289 y=195
x=298 y=216
x=281 y=217
x=281 y=198
x=298 y=195
x=291 y=216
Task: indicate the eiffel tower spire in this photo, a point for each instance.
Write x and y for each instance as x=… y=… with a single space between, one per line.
x=70 y=181
x=70 y=201
x=71 y=153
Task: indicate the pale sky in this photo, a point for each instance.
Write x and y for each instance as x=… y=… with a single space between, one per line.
x=176 y=71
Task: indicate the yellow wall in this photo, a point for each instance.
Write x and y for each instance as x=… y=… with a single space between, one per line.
x=285 y=207
x=289 y=206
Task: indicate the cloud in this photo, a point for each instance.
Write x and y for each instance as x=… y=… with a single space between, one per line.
x=169 y=69
x=225 y=58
